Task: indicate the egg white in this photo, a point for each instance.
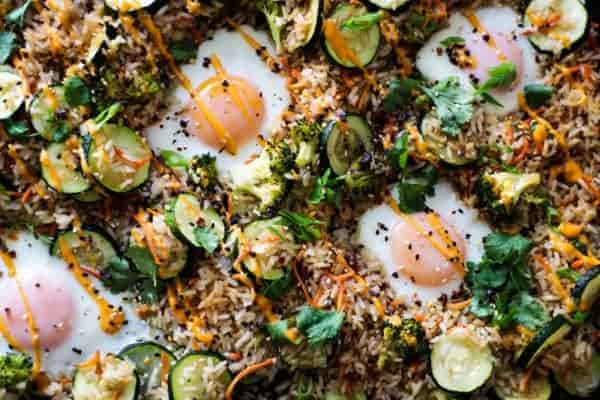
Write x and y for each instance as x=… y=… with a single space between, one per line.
x=33 y=257
x=447 y=204
x=504 y=20
x=238 y=59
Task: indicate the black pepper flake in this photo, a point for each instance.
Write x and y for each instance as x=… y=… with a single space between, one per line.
x=76 y=350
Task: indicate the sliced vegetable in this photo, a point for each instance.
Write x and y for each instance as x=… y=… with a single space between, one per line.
x=346 y=141
x=390 y=4
x=187 y=379
x=557 y=25
x=89 y=196
x=12 y=94
x=580 y=381
x=92 y=247
x=448 y=149
x=61 y=170
x=459 y=362
x=48 y=111
x=587 y=288
x=152 y=363
x=118 y=158
x=117 y=379
x=538 y=388
x=304 y=356
x=129 y=5
x=350 y=48
x=312 y=14
x=550 y=334
x=185 y=216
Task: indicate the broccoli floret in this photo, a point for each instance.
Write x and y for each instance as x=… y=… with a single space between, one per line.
x=257 y=179
x=15 y=371
x=143 y=84
x=202 y=171
x=281 y=157
x=273 y=12
x=402 y=338
x=500 y=192
x=305 y=141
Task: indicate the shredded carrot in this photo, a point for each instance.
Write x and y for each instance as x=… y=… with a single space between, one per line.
x=555 y=280
x=179 y=314
x=524 y=382
x=577 y=264
x=134 y=163
x=461 y=305
x=340 y=296
x=342 y=260
x=419 y=317
x=165 y=366
x=248 y=371
x=233 y=356
x=27 y=194
x=91 y=272
x=140 y=217
x=523 y=151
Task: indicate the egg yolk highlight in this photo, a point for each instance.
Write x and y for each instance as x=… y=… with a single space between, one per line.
x=225 y=111
x=427 y=250
x=51 y=306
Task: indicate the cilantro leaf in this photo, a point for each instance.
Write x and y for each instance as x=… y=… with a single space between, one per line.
x=173 y=159
x=61 y=132
x=8 y=42
x=453 y=41
x=536 y=94
x=454 y=105
x=527 y=311
x=362 y=22
x=183 y=50
x=277 y=330
x=304 y=228
x=118 y=276
x=501 y=75
x=398 y=154
x=326 y=189
x=399 y=93
x=275 y=289
x=567 y=273
x=76 y=92
x=413 y=189
x=143 y=261
x=503 y=248
x=319 y=326
x=207 y=238
x=17 y=16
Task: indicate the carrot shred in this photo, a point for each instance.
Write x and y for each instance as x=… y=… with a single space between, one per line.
x=164 y=367
x=577 y=263
x=248 y=371
x=524 y=381
x=300 y=281
x=460 y=305
x=555 y=280
x=140 y=217
x=27 y=194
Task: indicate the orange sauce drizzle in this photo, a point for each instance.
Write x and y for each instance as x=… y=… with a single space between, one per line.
x=560 y=138
x=111 y=319
x=215 y=124
x=35 y=337
x=267 y=57
x=475 y=23
x=54 y=175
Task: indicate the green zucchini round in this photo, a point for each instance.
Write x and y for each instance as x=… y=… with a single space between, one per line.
x=83 y=384
x=539 y=388
x=583 y=381
x=91 y=246
x=60 y=169
x=587 y=288
x=186 y=378
x=45 y=109
x=147 y=357
x=12 y=95
x=550 y=334
x=346 y=141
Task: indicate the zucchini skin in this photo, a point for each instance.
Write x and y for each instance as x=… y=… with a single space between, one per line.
x=531 y=352
x=171 y=384
x=89 y=227
x=585 y=282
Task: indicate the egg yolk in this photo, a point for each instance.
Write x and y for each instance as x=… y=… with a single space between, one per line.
x=427 y=250
x=225 y=112
x=51 y=306
x=491 y=49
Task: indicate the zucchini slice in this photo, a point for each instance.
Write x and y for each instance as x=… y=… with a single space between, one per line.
x=346 y=141
x=539 y=388
x=45 y=111
x=446 y=148
x=312 y=14
x=118 y=158
x=581 y=381
x=346 y=47
x=261 y=229
x=91 y=246
x=61 y=170
x=148 y=358
x=187 y=379
x=550 y=334
x=185 y=214
x=459 y=363
x=561 y=35
x=89 y=196
x=87 y=383
x=392 y=5
x=11 y=92
x=125 y=6
x=587 y=288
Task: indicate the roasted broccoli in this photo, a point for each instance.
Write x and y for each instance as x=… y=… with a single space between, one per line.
x=15 y=371
x=500 y=192
x=115 y=85
x=258 y=180
x=273 y=12
x=305 y=142
x=202 y=171
x=402 y=339
x=281 y=157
